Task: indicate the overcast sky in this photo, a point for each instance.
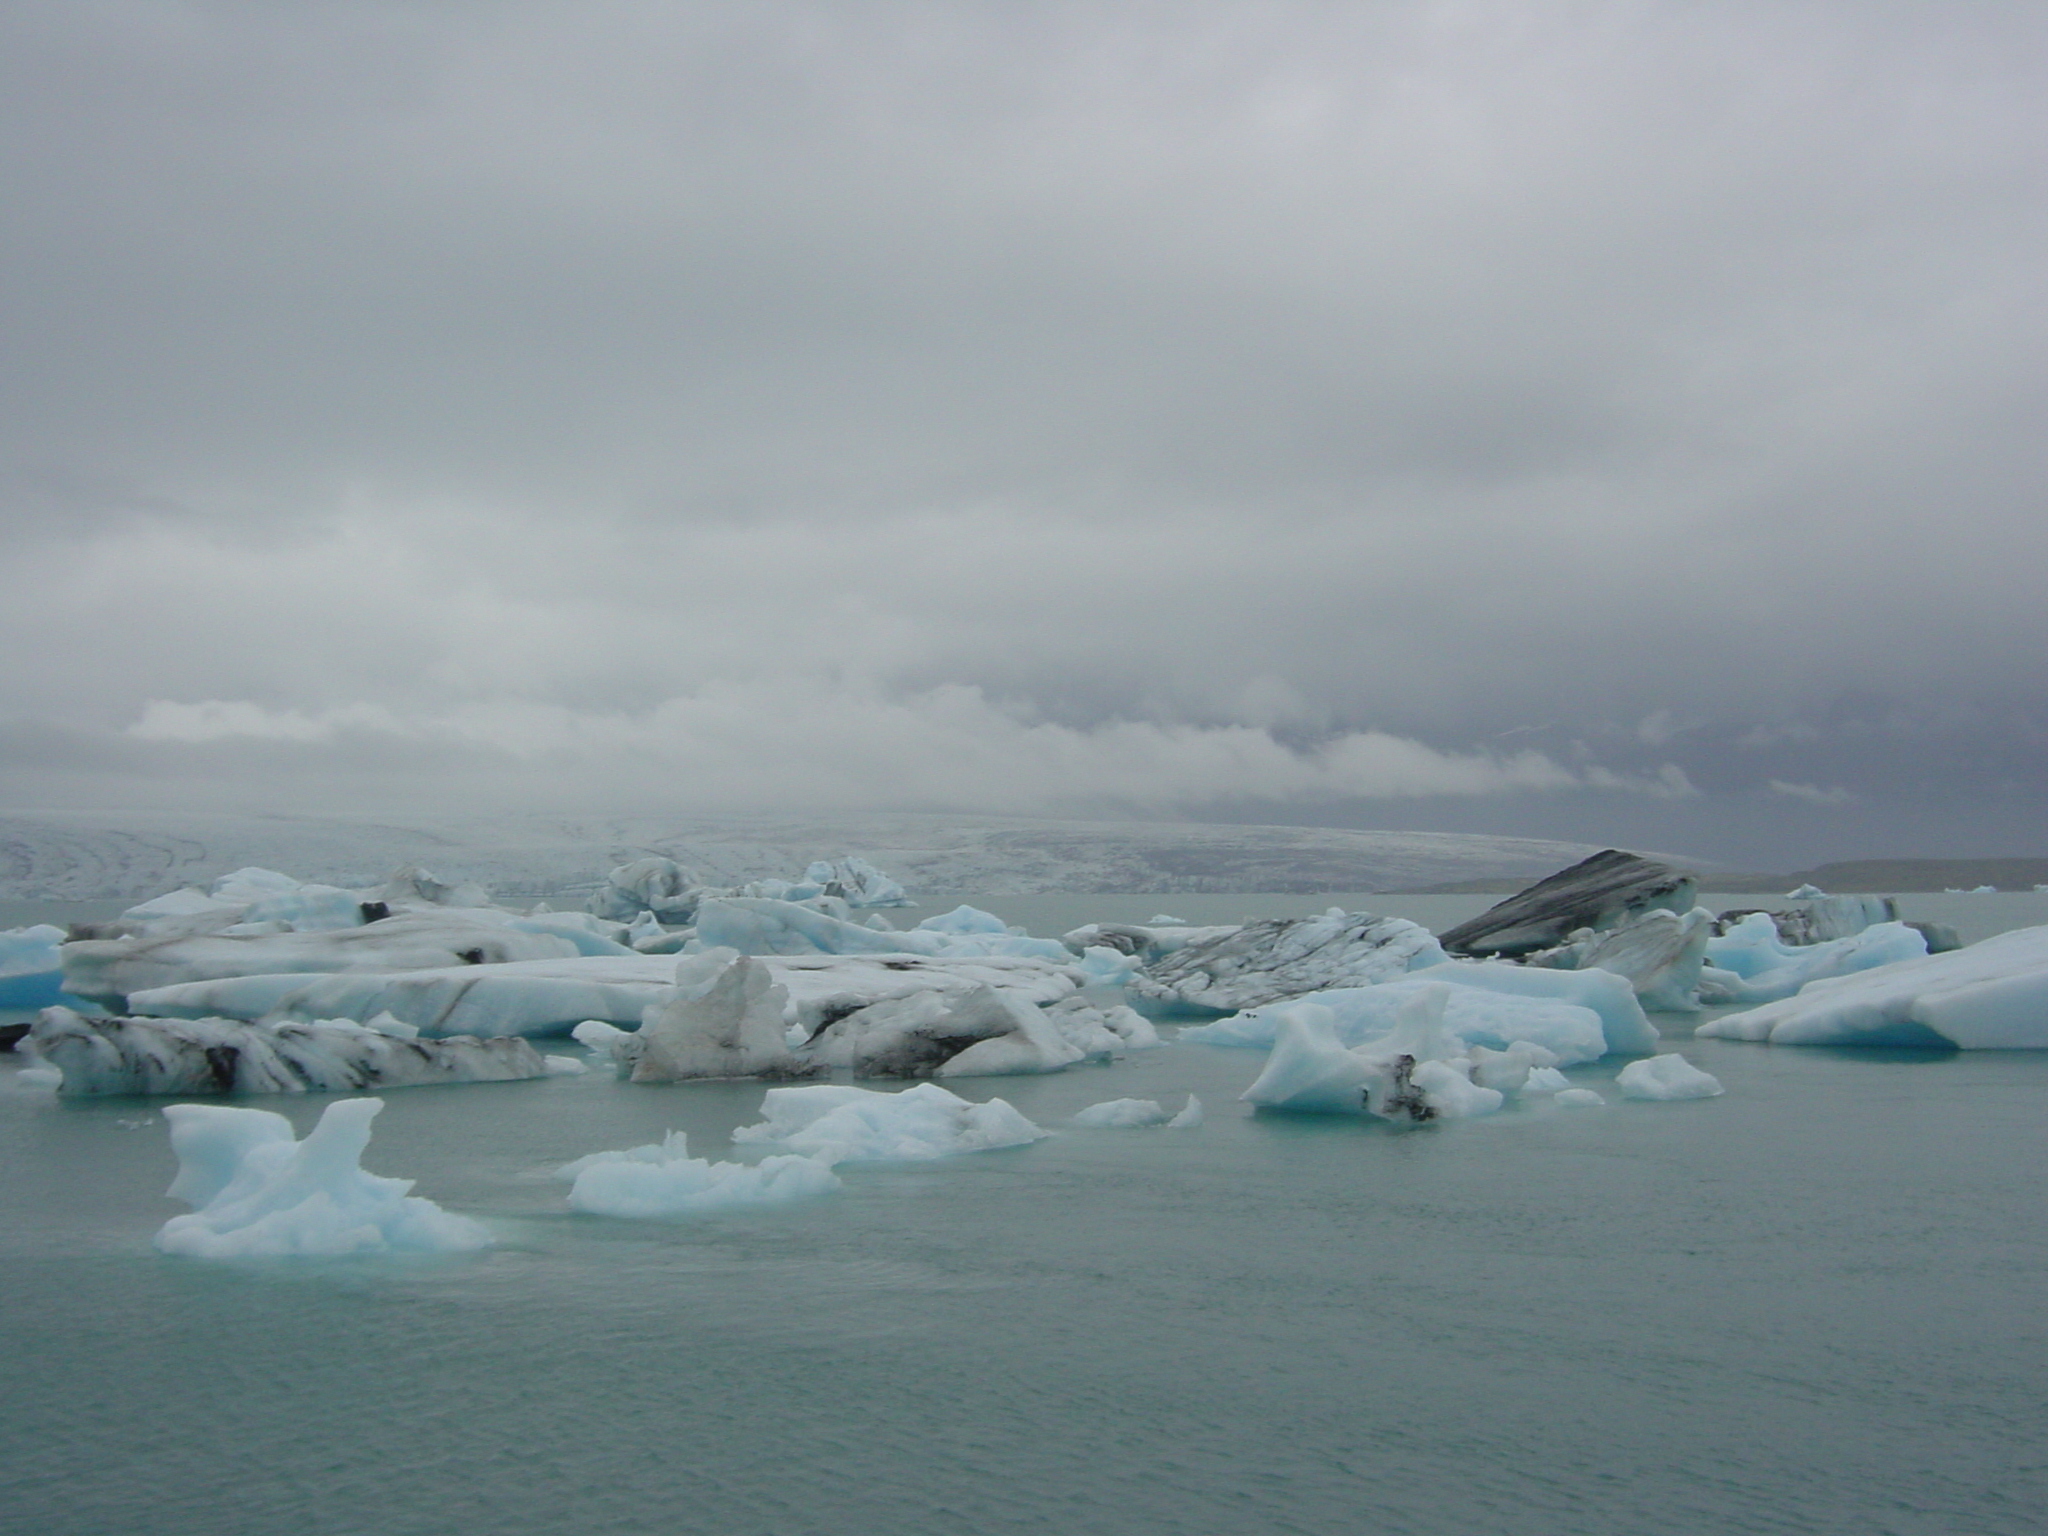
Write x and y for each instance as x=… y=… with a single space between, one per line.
x=1614 y=421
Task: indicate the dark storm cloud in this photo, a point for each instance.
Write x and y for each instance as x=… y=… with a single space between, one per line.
x=1171 y=406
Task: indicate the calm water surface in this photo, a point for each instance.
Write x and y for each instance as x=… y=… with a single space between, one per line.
x=1813 y=1305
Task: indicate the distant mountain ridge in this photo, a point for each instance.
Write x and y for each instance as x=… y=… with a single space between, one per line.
x=88 y=856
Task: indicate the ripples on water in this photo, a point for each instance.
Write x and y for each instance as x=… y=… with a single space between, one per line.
x=1809 y=1306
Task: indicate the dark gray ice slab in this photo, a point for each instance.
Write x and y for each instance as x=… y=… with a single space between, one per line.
x=1604 y=891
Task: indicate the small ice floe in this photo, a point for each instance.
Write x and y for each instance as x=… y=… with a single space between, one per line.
x=1667 y=1077
x=1578 y=1098
x=842 y=1124
x=259 y=1192
x=662 y=1179
x=1132 y=1114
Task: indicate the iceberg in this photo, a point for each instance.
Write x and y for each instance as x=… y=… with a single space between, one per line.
x=529 y=997
x=1135 y=1114
x=550 y=997
x=1122 y=1114
x=857 y=883
x=31 y=976
x=843 y=1125
x=1577 y=1016
x=261 y=1193
x=662 y=1179
x=1833 y=917
x=654 y=885
x=110 y=970
x=1605 y=891
x=1417 y=1073
x=1992 y=995
x=100 y=1056
x=1661 y=954
x=723 y=1018
x=1667 y=1077
x=1751 y=963
x=979 y=1032
x=1264 y=962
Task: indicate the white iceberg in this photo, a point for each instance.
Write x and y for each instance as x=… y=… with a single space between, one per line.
x=1577 y=1016
x=1135 y=1114
x=261 y=1193
x=723 y=1018
x=1419 y=1072
x=840 y=1125
x=111 y=970
x=1122 y=1114
x=31 y=975
x=662 y=1179
x=656 y=886
x=550 y=997
x=99 y=1056
x=1279 y=958
x=1577 y=1098
x=1992 y=995
x=1660 y=952
x=1666 y=1077
x=1751 y=962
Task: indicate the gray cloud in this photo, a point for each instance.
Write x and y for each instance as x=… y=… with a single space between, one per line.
x=1136 y=403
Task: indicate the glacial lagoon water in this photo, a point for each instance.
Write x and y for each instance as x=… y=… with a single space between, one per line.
x=1812 y=1305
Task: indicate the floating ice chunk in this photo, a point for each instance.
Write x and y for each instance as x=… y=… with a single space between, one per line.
x=1189 y=1117
x=1578 y=1098
x=591 y=935
x=1102 y=1033
x=1577 y=1016
x=1417 y=1072
x=224 y=1056
x=1605 y=891
x=31 y=975
x=111 y=970
x=655 y=885
x=757 y=925
x=1545 y=1080
x=724 y=1019
x=1669 y=1076
x=412 y=886
x=260 y=1193
x=1163 y=919
x=1144 y=942
x=1122 y=1114
x=564 y=1066
x=1751 y=963
x=1991 y=995
x=1660 y=952
x=932 y=1034
x=1805 y=892
x=1279 y=958
x=664 y=1180
x=839 y=1125
x=1833 y=917
x=856 y=882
